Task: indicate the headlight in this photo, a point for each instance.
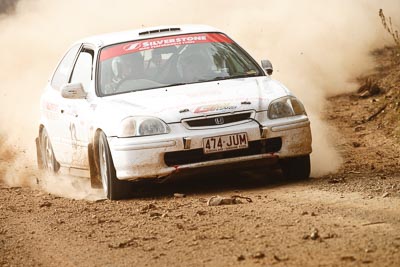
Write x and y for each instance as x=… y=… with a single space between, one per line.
x=285 y=107
x=142 y=126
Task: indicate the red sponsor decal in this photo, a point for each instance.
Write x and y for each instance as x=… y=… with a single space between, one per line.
x=137 y=46
x=50 y=106
x=215 y=107
x=50 y=115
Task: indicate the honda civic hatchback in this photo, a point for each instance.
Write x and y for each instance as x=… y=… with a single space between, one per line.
x=148 y=103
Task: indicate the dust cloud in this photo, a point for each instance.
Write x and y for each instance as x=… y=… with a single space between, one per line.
x=316 y=47
x=17 y=171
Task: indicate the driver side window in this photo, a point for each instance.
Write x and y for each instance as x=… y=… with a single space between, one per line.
x=82 y=72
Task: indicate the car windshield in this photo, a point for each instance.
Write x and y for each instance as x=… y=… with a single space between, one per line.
x=172 y=61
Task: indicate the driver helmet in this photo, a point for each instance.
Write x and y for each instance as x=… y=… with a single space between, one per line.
x=127 y=66
x=194 y=65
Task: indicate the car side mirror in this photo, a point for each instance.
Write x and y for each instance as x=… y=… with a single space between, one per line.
x=267 y=66
x=73 y=91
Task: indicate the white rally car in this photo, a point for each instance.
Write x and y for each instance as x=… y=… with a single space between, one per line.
x=151 y=102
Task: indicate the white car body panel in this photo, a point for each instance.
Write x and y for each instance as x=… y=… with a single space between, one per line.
x=128 y=153
x=72 y=123
x=166 y=103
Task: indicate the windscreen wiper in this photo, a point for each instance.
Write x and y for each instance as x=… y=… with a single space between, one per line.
x=173 y=84
x=243 y=75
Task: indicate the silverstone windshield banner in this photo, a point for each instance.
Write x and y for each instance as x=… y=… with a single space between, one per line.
x=177 y=40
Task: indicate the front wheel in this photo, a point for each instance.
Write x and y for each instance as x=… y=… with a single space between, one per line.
x=297 y=168
x=113 y=188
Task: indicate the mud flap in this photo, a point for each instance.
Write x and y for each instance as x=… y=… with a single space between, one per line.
x=95 y=180
x=39 y=156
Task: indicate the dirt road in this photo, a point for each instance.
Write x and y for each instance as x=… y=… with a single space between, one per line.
x=286 y=224
x=351 y=218
x=296 y=224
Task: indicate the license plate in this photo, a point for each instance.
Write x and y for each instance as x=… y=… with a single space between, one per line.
x=225 y=143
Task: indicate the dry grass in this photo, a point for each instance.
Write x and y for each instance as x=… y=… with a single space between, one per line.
x=387 y=24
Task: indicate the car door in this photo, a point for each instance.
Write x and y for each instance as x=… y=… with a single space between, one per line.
x=53 y=107
x=79 y=112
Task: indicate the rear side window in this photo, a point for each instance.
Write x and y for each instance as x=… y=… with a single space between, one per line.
x=62 y=74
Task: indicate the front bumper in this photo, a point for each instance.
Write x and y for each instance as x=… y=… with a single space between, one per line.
x=162 y=155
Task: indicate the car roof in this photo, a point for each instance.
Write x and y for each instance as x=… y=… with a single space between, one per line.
x=145 y=33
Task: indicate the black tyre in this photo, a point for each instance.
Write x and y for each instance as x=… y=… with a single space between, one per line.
x=113 y=188
x=297 y=168
x=47 y=158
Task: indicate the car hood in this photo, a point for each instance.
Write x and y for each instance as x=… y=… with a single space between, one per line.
x=172 y=104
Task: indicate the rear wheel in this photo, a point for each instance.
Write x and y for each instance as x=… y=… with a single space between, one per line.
x=48 y=159
x=297 y=168
x=113 y=188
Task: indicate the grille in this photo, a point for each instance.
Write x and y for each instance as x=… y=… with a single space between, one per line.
x=218 y=120
x=196 y=155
